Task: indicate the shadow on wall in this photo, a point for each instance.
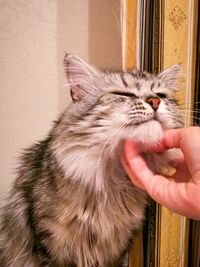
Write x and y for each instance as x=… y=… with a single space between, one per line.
x=104 y=38
x=91 y=30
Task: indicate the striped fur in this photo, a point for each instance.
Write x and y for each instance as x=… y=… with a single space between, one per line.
x=72 y=203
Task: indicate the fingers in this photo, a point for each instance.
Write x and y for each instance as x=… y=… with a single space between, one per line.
x=175 y=196
x=130 y=173
x=182 y=198
x=182 y=173
x=140 y=174
x=135 y=166
x=171 y=139
x=188 y=140
x=178 y=138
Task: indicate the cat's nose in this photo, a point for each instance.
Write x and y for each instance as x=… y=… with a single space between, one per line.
x=153 y=102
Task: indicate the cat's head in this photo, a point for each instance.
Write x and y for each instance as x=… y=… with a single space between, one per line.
x=131 y=104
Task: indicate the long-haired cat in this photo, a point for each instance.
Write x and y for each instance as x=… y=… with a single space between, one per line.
x=72 y=203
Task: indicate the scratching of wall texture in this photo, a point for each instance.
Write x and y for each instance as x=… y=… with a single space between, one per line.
x=34 y=36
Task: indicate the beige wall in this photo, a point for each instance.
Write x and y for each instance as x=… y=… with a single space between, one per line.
x=104 y=38
x=28 y=77
x=34 y=36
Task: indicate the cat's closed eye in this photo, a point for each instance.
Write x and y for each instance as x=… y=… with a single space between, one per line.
x=127 y=94
x=161 y=95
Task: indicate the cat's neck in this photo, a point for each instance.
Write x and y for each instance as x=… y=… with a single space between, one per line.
x=92 y=166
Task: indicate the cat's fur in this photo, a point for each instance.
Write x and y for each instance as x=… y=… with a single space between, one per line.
x=72 y=203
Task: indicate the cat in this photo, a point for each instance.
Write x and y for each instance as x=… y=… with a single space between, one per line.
x=72 y=204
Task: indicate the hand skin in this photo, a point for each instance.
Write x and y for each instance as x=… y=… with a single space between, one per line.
x=180 y=193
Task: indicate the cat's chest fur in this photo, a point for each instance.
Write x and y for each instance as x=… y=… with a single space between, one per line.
x=95 y=223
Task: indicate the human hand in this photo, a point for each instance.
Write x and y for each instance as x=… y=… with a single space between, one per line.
x=180 y=193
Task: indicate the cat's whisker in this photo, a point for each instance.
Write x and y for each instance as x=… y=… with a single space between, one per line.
x=189 y=115
x=190 y=109
x=192 y=120
x=187 y=108
x=183 y=103
x=192 y=117
x=196 y=113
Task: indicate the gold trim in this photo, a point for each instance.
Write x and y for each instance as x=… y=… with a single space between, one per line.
x=130 y=62
x=130 y=33
x=136 y=253
x=179 y=46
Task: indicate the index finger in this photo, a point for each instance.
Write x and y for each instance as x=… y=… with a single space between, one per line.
x=171 y=139
x=137 y=165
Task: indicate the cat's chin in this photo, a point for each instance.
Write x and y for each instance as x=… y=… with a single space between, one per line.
x=147 y=134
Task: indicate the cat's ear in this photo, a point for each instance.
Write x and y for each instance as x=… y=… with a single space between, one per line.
x=80 y=76
x=169 y=76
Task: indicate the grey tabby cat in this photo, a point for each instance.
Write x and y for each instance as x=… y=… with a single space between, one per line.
x=72 y=203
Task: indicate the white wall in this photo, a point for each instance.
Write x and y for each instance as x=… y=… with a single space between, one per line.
x=34 y=36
